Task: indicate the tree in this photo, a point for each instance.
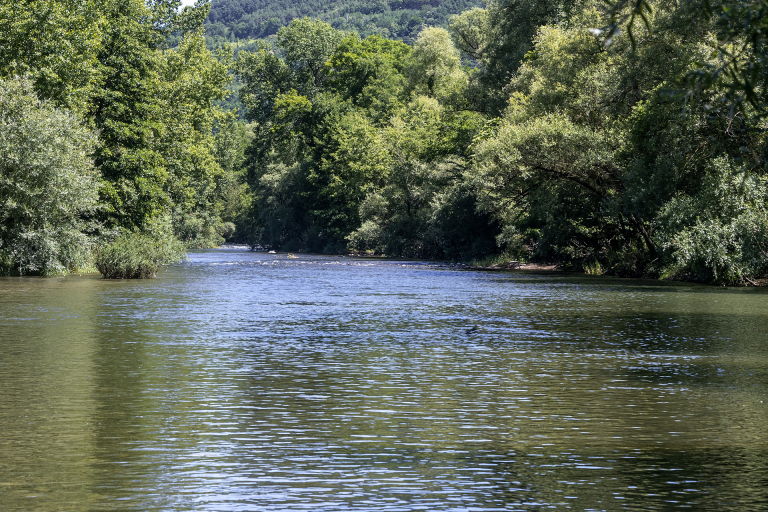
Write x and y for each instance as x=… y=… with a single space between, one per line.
x=719 y=231
x=369 y=72
x=397 y=217
x=154 y=113
x=127 y=111
x=471 y=31
x=54 y=43
x=511 y=26
x=434 y=66
x=307 y=45
x=288 y=100
x=193 y=79
x=596 y=164
x=151 y=106
x=47 y=184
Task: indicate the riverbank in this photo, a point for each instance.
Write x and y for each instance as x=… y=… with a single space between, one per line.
x=518 y=265
x=493 y=264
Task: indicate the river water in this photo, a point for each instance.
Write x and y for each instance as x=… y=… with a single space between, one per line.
x=249 y=381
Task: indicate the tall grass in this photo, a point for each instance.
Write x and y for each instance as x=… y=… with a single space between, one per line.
x=137 y=256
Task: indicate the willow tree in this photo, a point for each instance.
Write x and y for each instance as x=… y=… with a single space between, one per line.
x=47 y=184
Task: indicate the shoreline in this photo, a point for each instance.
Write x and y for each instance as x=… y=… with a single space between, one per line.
x=517 y=265
x=510 y=265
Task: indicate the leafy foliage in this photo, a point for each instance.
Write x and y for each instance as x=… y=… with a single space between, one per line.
x=358 y=152
x=741 y=44
x=54 y=43
x=534 y=130
x=720 y=232
x=550 y=146
x=154 y=112
x=47 y=184
x=154 y=164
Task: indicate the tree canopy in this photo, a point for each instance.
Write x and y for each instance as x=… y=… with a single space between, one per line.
x=523 y=132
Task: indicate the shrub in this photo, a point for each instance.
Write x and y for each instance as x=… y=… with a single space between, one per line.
x=137 y=256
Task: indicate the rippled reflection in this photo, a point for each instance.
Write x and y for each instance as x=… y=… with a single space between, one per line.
x=247 y=381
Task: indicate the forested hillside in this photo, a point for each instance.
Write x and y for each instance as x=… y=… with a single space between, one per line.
x=398 y=19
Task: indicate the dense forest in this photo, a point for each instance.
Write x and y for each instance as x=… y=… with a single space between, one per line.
x=625 y=138
x=232 y=20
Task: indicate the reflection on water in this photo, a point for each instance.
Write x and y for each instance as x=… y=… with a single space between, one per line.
x=247 y=381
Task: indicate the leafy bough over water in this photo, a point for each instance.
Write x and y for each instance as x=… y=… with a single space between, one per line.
x=137 y=256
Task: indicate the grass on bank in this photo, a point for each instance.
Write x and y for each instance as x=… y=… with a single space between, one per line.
x=137 y=256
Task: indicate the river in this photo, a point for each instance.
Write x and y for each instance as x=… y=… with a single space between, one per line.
x=251 y=381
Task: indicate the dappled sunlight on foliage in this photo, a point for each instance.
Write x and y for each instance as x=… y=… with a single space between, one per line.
x=47 y=184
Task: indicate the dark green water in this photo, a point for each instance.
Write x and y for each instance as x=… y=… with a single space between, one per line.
x=247 y=381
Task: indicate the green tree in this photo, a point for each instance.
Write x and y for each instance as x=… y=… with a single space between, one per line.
x=551 y=170
x=741 y=43
x=55 y=44
x=354 y=163
x=193 y=79
x=127 y=111
x=499 y=38
x=232 y=138
x=719 y=232
x=307 y=45
x=434 y=66
x=595 y=164
x=47 y=184
x=403 y=215
x=287 y=99
x=471 y=31
x=369 y=72
x=154 y=113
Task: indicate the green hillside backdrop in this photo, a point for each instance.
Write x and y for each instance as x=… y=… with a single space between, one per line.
x=232 y=20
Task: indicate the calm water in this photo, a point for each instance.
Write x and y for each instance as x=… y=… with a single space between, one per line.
x=247 y=381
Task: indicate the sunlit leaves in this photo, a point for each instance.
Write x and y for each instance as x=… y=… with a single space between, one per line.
x=471 y=31
x=434 y=65
x=720 y=231
x=55 y=42
x=308 y=44
x=741 y=67
x=47 y=183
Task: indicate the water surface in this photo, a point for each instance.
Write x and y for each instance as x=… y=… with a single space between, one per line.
x=248 y=381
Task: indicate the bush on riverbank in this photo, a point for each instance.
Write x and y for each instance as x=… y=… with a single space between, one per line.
x=137 y=256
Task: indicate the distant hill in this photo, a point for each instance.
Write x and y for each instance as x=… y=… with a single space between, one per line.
x=238 y=20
